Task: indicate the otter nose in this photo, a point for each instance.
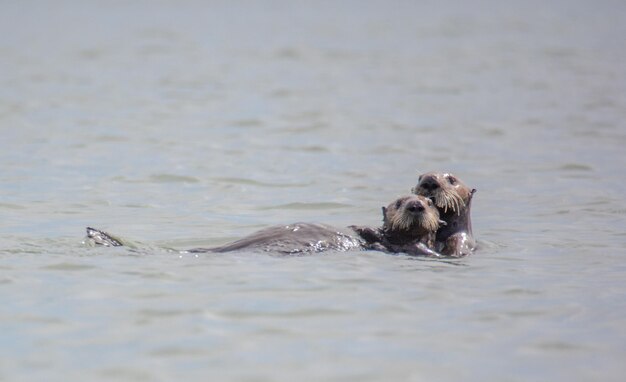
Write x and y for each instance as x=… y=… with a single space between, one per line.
x=415 y=207
x=430 y=185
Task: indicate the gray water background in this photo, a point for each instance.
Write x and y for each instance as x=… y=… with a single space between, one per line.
x=178 y=124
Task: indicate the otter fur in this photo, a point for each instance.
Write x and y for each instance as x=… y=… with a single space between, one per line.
x=453 y=200
x=410 y=224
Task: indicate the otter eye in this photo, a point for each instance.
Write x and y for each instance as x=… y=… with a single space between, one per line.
x=451 y=179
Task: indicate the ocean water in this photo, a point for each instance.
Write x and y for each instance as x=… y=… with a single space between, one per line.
x=179 y=124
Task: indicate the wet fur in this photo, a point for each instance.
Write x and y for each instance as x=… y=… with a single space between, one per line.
x=402 y=231
x=453 y=199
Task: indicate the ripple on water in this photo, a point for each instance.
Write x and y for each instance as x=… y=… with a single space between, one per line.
x=32 y=319
x=287 y=313
x=66 y=266
x=550 y=347
x=574 y=167
x=111 y=138
x=306 y=206
x=305 y=148
x=165 y=313
x=247 y=122
x=11 y=206
x=177 y=351
x=173 y=178
x=253 y=182
x=129 y=373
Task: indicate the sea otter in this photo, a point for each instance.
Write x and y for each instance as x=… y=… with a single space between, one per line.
x=410 y=224
x=453 y=200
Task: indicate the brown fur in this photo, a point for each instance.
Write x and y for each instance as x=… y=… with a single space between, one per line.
x=410 y=225
x=453 y=199
x=410 y=219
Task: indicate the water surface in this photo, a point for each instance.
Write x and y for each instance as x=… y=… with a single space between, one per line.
x=185 y=124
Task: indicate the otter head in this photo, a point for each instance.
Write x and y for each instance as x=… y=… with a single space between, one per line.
x=447 y=191
x=410 y=218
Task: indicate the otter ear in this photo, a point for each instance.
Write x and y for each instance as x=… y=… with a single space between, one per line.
x=471 y=195
x=420 y=178
x=384 y=215
x=442 y=223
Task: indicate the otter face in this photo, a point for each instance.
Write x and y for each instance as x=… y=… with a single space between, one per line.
x=412 y=213
x=446 y=190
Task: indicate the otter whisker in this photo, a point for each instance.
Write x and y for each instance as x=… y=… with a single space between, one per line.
x=430 y=222
x=406 y=222
x=449 y=199
x=401 y=222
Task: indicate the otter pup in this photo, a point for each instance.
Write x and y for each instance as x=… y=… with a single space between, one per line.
x=409 y=225
x=453 y=199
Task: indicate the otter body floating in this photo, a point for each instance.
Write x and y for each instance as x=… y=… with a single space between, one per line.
x=410 y=224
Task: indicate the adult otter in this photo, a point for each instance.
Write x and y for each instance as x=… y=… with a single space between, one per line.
x=409 y=225
x=453 y=199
